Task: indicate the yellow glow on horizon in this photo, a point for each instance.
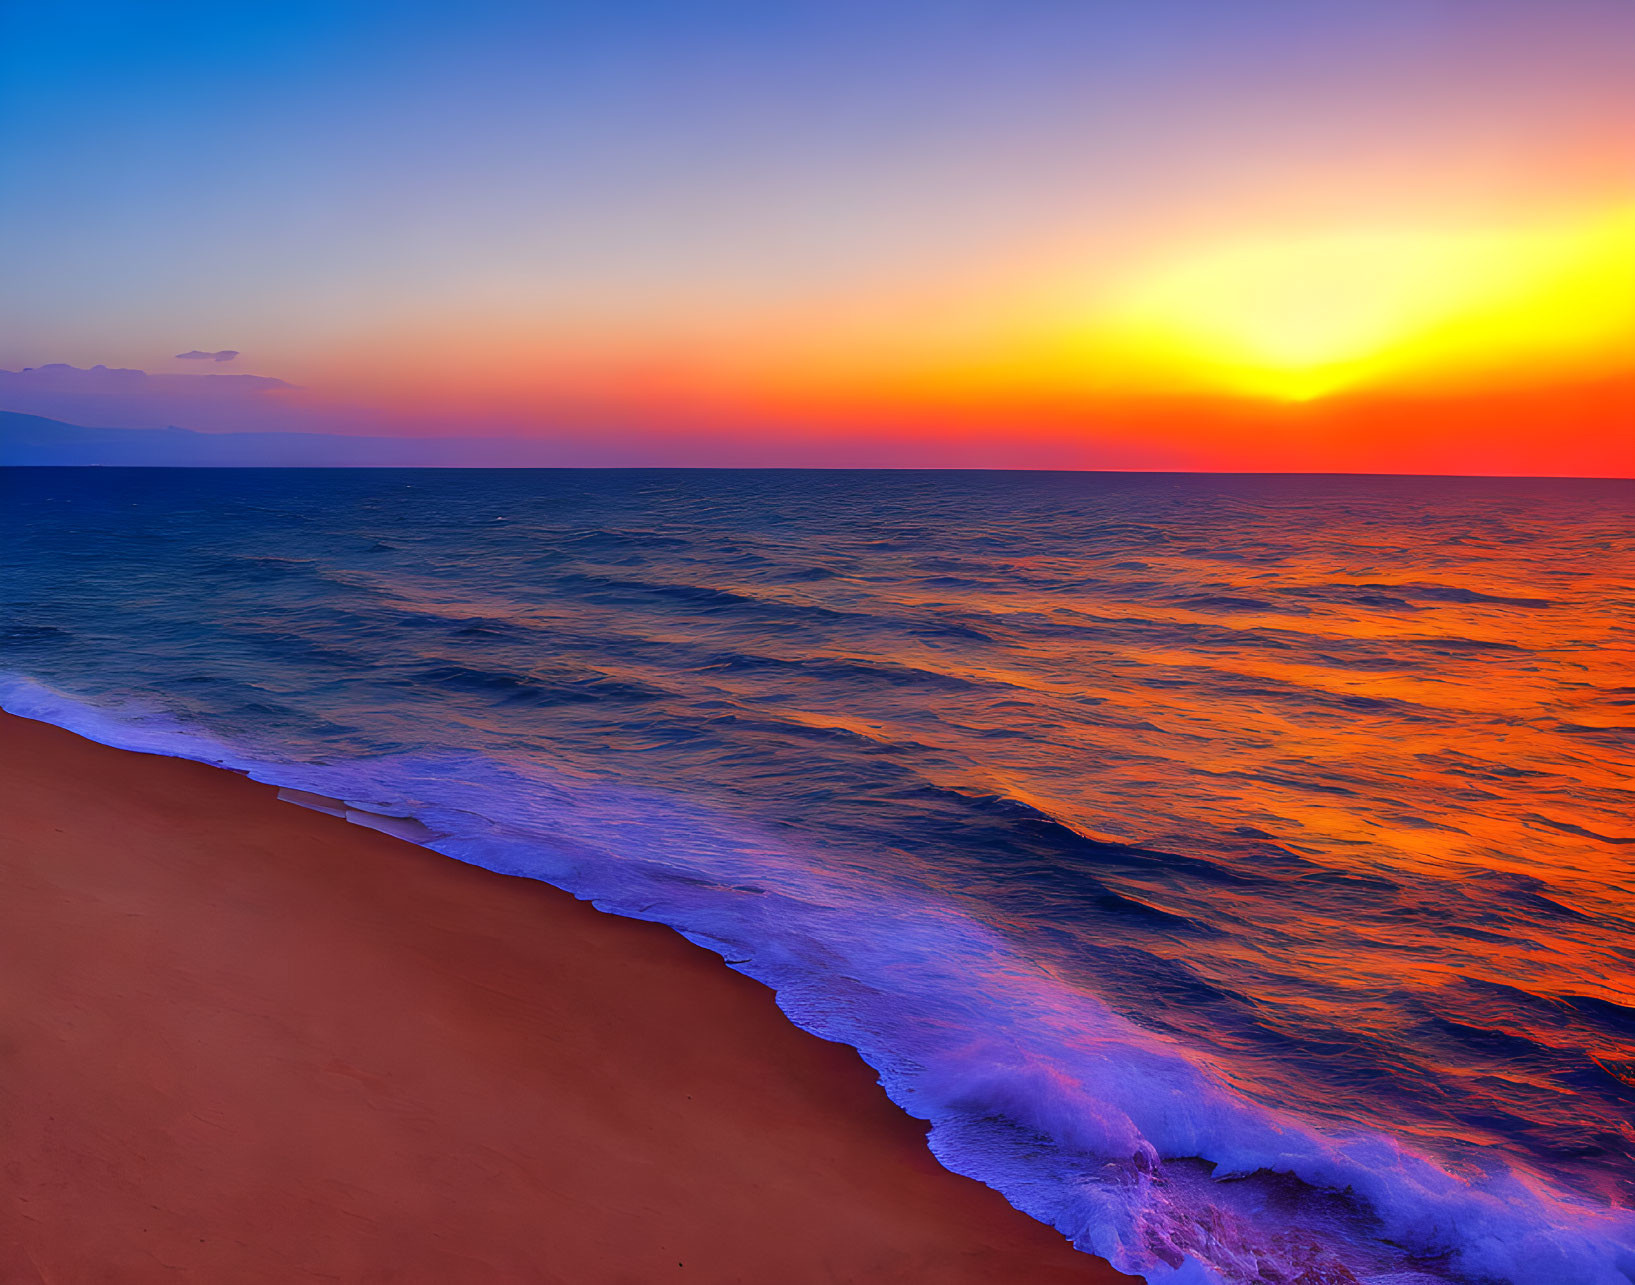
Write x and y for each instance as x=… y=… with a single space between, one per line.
x=1217 y=318
x=1299 y=319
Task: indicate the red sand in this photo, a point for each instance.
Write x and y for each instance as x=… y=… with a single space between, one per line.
x=241 y=1041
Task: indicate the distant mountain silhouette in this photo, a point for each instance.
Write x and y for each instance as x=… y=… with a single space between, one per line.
x=35 y=440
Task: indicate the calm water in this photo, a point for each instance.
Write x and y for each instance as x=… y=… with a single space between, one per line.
x=1190 y=850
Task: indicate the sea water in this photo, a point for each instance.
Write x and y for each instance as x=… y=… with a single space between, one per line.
x=1235 y=871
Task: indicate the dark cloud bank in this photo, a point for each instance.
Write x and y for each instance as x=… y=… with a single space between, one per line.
x=35 y=440
x=137 y=399
x=67 y=415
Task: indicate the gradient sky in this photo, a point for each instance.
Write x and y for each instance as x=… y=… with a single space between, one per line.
x=1393 y=235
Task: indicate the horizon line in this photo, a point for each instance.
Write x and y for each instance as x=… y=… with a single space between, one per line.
x=814 y=468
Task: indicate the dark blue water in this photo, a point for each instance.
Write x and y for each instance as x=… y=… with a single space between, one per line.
x=1236 y=871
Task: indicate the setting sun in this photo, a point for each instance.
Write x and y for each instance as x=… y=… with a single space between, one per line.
x=1298 y=319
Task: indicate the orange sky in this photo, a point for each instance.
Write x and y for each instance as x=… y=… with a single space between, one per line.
x=1397 y=236
x=1393 y=348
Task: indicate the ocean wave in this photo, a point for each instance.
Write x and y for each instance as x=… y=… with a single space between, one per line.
x=1076 y=1114
x=1334 y=857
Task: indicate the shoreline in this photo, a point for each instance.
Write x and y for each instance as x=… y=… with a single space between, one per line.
x=242 y=1039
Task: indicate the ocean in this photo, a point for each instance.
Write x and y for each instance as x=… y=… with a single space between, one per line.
x=1235 y=871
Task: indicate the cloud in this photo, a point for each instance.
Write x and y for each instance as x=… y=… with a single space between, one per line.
x=123 y=398
x=102 y=379
x=195 y=354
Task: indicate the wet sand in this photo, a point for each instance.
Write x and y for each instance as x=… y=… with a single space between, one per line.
x=243 y=1041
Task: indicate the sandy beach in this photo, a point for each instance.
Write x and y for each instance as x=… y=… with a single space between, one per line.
x=244 y=1041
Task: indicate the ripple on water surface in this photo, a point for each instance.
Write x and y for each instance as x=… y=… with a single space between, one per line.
x=1130 y=825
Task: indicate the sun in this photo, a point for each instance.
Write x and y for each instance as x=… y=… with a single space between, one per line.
x=1300 y=318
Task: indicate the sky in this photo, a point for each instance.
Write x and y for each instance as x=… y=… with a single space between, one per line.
x=1351 y=235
